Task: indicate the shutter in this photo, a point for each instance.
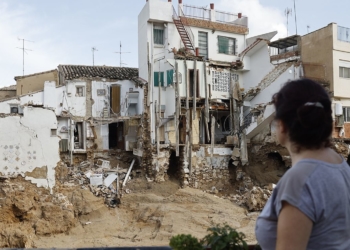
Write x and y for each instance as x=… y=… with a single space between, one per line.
x=169 y=77
x=156 y=79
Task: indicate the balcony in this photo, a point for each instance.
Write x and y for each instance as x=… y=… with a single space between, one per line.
x=285 y=49
x=215 y=19
x=215 y=15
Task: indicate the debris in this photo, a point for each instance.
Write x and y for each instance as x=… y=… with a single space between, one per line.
x=109 y=180
x=87 y=223
x=129 y=171
x=96 y=179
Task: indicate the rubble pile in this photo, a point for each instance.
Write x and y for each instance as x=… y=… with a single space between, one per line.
x=253 y=199
x=101 y=180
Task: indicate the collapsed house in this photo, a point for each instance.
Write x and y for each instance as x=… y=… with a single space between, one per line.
x=90 y=110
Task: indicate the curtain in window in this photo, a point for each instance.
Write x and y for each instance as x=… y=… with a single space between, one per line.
x=158 y=34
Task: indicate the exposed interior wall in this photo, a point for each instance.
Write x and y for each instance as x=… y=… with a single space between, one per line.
x=35 y=82
x=30 y=143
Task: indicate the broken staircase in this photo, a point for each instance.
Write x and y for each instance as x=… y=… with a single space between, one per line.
x=184 y=31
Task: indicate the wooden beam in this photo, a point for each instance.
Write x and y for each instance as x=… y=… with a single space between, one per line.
x=177 y=114
x=194 y=90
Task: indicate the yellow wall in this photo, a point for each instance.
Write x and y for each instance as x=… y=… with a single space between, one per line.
x=35 y=82
x=7 y=94
x=317 y=48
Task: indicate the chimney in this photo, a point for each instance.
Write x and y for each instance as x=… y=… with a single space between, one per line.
x=197 y=51
x=239 y=15
x=180 y=1
x=211 y=6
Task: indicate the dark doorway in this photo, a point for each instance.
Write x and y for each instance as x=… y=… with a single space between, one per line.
x=116 y=135
x=191 y=83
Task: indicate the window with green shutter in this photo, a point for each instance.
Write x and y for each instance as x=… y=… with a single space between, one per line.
x=156 y=79
x=169 y=77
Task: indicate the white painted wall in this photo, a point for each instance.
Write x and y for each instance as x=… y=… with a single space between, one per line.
x=341 y=58
x=100 y=102
x=26 y=143
x=260 y=66
x=77 y=104
x=266 y=94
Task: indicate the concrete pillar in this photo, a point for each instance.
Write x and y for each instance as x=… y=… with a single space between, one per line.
x=212 y=13
x=180 y=6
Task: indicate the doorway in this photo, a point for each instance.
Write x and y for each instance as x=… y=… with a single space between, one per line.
x=116 y=135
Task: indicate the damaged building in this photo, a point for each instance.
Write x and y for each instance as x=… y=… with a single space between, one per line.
x=90 y=110
x=209 y=89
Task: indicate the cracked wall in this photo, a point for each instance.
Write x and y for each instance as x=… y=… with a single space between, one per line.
x=29 y=143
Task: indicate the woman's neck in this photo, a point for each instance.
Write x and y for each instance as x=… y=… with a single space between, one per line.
x=323 y=154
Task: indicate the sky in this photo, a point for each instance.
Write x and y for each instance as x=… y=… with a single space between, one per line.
x=64 y=32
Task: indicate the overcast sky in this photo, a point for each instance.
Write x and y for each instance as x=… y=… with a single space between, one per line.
x=63 y=32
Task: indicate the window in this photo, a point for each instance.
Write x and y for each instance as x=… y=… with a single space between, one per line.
x=344 y=72
x=79 y=91
x=203 y=44
x=227 y=45
x=169 y=77
x=156 y=79
x=158 y=35
x=346 y=113
x=220 y=81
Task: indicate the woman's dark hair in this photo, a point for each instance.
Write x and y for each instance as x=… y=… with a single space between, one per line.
x=305 y=109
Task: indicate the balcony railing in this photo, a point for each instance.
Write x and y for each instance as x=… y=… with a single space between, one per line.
x=230 y=18
x=344 y=34
x=219 y=16
x=196 y=12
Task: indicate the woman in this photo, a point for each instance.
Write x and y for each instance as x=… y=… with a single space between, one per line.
x=310 y=206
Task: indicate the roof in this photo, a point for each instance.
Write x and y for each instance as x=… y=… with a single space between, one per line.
x=40 y=73
x=252 y=48
x=11 y=87
x=285 y=42
x=71 y=72
x=266 y=36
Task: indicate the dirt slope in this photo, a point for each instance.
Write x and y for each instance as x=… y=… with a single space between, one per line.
x=149 y=216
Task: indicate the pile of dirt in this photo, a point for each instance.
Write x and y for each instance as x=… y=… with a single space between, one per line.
x=27 y=211
x=150 y=215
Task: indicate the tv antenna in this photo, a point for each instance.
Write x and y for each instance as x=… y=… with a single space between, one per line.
x=308 y=27
x=295 y=15
x=287 y=12
x=120 y=54
x=24 y=49
x=93 y=49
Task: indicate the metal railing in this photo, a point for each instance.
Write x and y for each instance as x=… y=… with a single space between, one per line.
x=187 y=28
x=230 y=18
x=196 y=12
x=344 y=34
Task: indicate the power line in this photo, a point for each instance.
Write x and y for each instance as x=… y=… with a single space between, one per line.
x=93 y=49
x=120 y=54
x=24 y=49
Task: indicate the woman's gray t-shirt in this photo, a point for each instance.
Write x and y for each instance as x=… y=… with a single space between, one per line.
x=322 y=192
